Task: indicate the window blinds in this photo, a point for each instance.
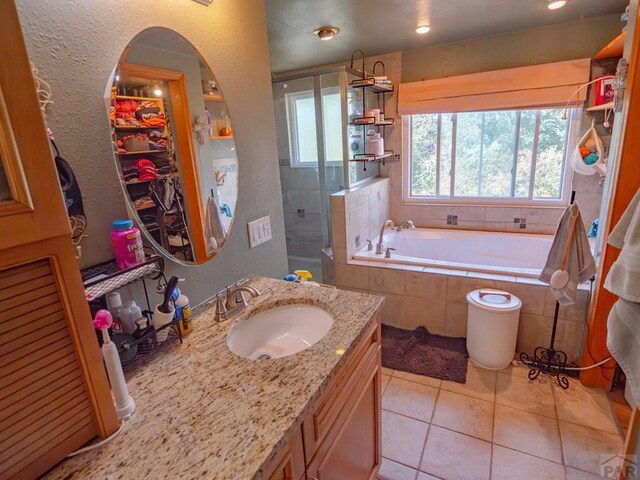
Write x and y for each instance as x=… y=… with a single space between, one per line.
x=538 y=86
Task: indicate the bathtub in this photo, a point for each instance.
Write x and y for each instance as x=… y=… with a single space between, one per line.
x=519 y=254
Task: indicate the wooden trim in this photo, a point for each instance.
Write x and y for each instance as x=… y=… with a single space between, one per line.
x=612 y=49
x=188 y=160
x=151 y=73
x=10 y=157
x=37 y=211
x=627 y=183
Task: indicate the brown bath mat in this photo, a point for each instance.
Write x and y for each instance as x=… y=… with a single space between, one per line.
x=424 y=353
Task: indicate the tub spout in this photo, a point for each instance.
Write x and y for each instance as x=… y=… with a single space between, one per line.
x=407 y=224
x=380 y=245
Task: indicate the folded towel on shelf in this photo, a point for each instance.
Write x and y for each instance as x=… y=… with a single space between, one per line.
x=580 y=263
x=623 y=341
x=623 y=278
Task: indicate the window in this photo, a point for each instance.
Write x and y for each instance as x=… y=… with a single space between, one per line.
x=507 y=156
x=301 y=116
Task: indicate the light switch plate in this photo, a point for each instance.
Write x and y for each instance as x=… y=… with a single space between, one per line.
x=259 y=231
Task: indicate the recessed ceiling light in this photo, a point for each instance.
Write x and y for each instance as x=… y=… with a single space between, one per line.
x=421 y=29
x=326 y=33
x=556 y=4
x=157 y=92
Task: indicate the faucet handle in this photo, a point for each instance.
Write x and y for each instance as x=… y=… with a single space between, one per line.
x=369 y=245
x=221 y=308
x=229 y=302
x=387 y=253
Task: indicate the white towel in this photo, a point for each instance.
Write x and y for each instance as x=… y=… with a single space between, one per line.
x=624 y=277
x=623 y=341
x=213 y=229
x=580 y=263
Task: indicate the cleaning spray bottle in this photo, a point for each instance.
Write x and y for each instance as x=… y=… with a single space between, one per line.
x=125 y=406
x=186 y=323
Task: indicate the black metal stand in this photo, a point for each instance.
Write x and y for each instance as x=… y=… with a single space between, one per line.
x=548 y=360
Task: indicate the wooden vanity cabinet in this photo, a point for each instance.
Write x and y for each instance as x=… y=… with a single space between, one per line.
x=54 y=393
x=342 y=433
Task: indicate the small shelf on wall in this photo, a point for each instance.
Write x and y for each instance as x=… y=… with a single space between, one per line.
x=613 y=49
x=221 y=137
x=366 y=157
x=371 y=85
x=599 y=108
x=139 y=99
x=142 y=152
x=127 y=127
x=364 y=121
x=212 y=97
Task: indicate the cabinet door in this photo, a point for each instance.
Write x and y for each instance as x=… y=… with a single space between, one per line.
x=289 y=464
x=31 y=206
x=54 y=393
x=352 y=450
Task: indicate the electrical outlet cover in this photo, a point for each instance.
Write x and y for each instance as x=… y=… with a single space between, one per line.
x=259 y=231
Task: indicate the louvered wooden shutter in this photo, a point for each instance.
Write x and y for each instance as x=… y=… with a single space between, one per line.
x=44 y=405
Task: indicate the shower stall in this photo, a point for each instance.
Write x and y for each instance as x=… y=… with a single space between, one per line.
x=316 y=146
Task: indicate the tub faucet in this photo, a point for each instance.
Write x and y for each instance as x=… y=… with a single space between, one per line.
x=380 y=245
x=407 y=224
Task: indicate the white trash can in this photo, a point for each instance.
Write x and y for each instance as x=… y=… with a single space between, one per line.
x=492 y=327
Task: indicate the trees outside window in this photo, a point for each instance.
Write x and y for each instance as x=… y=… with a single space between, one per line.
x=517 y=156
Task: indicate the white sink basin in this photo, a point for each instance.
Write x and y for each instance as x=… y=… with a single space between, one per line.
x=279 y=332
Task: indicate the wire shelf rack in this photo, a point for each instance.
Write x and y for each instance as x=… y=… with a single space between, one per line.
x=149 y=346
x=105 y=277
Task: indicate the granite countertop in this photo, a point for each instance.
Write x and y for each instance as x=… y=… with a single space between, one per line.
x=202 y=411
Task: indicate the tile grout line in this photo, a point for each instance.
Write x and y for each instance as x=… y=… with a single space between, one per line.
x=555 y=406
x=424 y=446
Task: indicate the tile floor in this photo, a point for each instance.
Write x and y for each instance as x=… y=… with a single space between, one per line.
x=499 y=425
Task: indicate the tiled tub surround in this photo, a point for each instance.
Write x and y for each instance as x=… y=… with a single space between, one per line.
x=204 y=412
x=436 y=297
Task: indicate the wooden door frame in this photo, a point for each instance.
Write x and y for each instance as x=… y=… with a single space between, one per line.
x=31 y=215
x=184 y=143
x=627 y=182
x=20 y=201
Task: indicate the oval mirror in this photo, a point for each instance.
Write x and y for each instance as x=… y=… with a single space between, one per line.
x=174 y=146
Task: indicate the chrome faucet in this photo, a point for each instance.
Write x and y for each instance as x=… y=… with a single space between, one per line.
x=404 y=225
x=232 y=301
x=380 y=245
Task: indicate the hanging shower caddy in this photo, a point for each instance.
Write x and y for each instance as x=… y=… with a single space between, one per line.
x=369 y=85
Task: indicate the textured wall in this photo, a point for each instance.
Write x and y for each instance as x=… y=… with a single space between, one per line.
x=554 y=43
x=76 y=45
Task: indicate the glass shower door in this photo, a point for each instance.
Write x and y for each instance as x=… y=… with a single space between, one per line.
x=310 y=136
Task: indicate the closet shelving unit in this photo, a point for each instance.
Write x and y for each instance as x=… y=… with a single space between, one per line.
x=368 y=85
x=161 y=231
x=217 y=98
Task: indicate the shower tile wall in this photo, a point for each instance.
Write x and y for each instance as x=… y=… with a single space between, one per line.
x=301 y=201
